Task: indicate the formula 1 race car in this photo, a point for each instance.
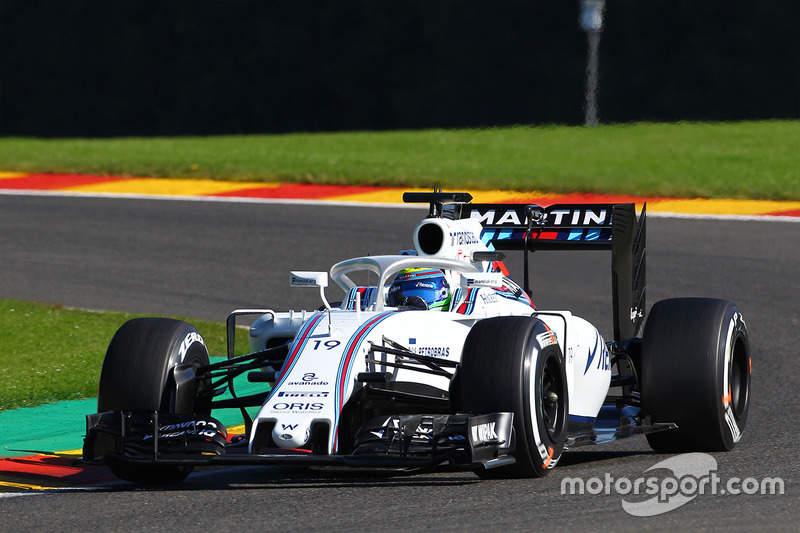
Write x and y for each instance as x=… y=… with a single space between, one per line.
x=443 y=363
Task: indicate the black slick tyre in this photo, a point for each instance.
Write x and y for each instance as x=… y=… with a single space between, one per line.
x=696 y=373
x=137 y=376
x=513 y=364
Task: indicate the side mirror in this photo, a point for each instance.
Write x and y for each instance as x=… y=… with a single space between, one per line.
x=311 y=279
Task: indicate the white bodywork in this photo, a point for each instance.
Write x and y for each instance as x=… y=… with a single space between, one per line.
x=329 y=348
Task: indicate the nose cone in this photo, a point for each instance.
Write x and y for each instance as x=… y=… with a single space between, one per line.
x=291 y=435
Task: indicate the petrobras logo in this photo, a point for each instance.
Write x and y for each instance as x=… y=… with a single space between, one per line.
x=432 y=351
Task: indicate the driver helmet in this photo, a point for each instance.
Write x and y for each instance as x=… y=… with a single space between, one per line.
x=423 y=288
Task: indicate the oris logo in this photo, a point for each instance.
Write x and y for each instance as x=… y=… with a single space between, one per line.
x=298 y=406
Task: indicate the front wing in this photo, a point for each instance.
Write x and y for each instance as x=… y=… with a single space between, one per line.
x=454 y=442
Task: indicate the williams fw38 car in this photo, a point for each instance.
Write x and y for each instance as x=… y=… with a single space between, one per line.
x=441 y=362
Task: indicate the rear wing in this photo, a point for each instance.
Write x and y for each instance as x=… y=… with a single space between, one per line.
x=612 y=227
x=528 y=227
x=559 y=227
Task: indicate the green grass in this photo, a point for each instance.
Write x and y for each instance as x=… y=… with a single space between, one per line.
x=51 y=353
x=715 y=160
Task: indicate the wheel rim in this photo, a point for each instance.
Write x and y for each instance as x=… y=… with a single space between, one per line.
x=738 y=380
x=551 y=397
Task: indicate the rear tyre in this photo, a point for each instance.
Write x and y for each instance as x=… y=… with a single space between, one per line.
x=513 y=364
x=696 y=373
x=137 y=376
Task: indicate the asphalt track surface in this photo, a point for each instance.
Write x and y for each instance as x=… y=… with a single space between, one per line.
x=203 y=259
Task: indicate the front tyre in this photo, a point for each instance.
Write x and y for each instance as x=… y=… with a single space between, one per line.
x=513 y=364
x=696 y=373
x=137 y=376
